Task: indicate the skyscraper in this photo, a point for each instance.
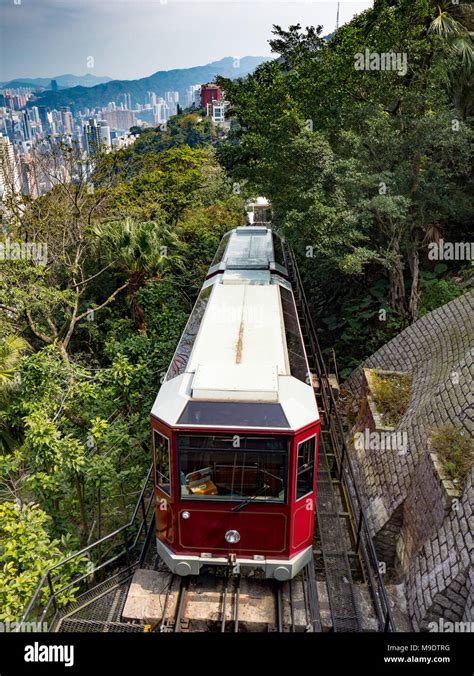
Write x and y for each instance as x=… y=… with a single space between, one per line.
x=9 y=178
x=104 y=134
x=191 y=94
x=92 y=139
x=67 y=120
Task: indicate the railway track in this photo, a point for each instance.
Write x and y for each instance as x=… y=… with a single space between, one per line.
x=291 y=606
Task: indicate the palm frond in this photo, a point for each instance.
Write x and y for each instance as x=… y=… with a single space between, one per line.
x=446 y=26
x=464 y=47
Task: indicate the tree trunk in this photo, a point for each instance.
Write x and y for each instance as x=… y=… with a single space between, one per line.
x=397 y=285
x=137 y=282
x=82 y=512
x=137 y=313
x=415 y=284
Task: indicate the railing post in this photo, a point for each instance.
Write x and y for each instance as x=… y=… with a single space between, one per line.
x=343 y=454
x=359 y=527
x=51 y=589
x=144 y=512
x=127 y=552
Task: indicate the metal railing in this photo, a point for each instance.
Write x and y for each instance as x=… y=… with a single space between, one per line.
x=128 y=545
x=364 y=545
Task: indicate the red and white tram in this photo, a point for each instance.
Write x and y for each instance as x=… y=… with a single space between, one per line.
x=235 y=424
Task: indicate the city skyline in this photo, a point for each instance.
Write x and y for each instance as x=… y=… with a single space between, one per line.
x=132 y=40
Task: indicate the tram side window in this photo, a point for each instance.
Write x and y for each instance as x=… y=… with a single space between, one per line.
x=162 y=463
x=305 y=468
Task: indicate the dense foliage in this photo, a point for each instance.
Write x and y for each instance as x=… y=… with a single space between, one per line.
x=86 y=338
x=365 y=167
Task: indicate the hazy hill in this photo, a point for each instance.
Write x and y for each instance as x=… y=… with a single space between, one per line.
x=64 y=81
x=170 y=80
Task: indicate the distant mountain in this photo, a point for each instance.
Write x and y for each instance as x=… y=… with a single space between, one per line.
x=64 y=81
x=160 y=82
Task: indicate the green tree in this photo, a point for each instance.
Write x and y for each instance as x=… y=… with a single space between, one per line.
x=385 y=151
x=26 y=551
x=142 y=252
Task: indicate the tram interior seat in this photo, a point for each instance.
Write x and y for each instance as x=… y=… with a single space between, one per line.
x=234 y=481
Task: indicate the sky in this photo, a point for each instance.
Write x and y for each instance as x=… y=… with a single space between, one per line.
x=129 y=39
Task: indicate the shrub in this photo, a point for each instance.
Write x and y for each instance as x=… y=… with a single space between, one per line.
x=391 y=393
x=455 y=450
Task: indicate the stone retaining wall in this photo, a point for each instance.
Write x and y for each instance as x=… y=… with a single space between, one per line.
x=417 y=521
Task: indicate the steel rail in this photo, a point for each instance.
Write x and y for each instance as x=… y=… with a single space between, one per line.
x=183 y=590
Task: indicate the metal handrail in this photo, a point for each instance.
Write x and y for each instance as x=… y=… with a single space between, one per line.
x=47 y=579
x=364 y=542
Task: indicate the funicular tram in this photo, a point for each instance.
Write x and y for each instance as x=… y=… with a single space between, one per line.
x=235 y=424
x=258 y=211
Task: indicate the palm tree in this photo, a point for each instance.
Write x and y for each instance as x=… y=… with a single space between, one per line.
x=141 y=251
x=11 y=351
x=453 y=26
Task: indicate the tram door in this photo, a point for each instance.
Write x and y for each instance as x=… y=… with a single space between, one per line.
x=163 y=484
x=303 y=511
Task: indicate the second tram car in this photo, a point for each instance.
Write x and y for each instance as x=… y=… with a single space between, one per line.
x=235 y=424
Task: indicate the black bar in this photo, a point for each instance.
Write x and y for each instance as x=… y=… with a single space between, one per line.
x=359 y=526
x=51 y=589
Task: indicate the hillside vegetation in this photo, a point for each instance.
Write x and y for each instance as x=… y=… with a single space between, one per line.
x=86 y=339
x=365 y=169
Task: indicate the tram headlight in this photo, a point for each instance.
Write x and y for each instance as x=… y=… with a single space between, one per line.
x=185 y=515
x=232 y=536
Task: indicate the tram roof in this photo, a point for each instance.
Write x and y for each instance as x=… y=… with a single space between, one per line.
x=234 y=366
x=247 y=248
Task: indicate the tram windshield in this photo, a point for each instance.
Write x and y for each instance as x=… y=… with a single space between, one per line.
x=233 y=467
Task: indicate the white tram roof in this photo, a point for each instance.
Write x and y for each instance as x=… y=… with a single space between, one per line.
x=239 y=353
x=241 y=348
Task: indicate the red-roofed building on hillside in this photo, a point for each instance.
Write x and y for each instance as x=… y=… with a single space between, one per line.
x=209 y=93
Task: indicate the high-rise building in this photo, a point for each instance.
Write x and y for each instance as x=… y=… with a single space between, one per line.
x=162 y=111
x=26 y=126
x=34 y=115
x=119 y=119
x=67 y=120
x=29 y=176
x=104 y=134
x=92 y=139
x=172 y=97
x=9 y=177
x=45 y=117
x=191 y=95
